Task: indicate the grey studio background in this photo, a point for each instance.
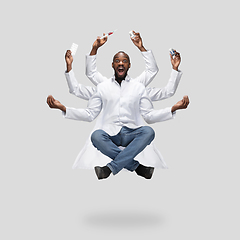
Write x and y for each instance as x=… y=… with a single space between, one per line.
x=43 y=198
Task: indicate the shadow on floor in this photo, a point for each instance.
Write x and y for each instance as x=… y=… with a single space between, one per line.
x=126 y=219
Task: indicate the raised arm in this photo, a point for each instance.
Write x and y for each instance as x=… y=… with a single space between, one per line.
x=151 y=68
x=75 y=88
x=91 y=62
x=169 y=90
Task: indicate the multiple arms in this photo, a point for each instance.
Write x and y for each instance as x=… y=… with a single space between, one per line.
x=146 y=77
x=155 y=94
x=94 y=107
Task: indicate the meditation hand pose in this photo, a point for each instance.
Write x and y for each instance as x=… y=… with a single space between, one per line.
x=123 y=102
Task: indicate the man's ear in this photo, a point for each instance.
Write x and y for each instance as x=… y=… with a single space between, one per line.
x=112 y=64
x=129 y=65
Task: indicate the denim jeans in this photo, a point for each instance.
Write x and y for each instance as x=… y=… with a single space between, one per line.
x=134 y=141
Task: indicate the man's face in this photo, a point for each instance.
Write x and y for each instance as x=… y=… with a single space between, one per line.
x=121 y=64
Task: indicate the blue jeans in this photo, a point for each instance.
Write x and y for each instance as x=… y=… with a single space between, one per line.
x=134 y=141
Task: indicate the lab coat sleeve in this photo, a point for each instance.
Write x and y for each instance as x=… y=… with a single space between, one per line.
x=150 y=115
x=91 y=70
x=151 y=68
x=169 y=90
x=77 y=89
x=89 y=114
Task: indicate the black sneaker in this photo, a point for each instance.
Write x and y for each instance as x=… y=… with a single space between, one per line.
x=102 y=172
x=145 y=172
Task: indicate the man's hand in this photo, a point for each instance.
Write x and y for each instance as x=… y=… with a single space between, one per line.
x=183 y=104
x=97 y=44
x=53 y=103
x=69 y=60
x=176 y=60
x=137 y=41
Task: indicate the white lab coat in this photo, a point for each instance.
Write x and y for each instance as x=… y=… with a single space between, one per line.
x=89 y=156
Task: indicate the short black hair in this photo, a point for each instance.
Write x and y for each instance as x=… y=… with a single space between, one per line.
x=123 y=53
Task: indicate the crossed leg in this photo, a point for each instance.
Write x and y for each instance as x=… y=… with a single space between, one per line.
x=134 y=141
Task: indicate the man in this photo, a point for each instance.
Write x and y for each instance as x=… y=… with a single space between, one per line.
x=146 y=77
x=122 y=101
x=155 y=94
x=88 y=156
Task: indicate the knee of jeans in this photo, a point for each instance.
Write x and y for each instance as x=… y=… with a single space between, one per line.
x=96 y=136
x=150 y=132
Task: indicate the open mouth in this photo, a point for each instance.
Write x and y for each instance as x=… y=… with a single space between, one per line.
x=121 y=71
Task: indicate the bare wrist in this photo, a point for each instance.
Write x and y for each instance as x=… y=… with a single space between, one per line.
x=142 y=49
x=63 y=108
x=175 y=68
x=174 y=108
x=94 y=51
x=69 y=67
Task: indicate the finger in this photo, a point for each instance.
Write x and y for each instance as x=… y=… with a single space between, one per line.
x=136 y=39
x=171 y=56
x=49 y=97
x=48 y=100
x=68 y=54
x=186 y=99
x=105 y=38
x=50 y=103
x=176 y=53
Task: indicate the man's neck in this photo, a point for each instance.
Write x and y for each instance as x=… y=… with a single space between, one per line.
x=119 y=80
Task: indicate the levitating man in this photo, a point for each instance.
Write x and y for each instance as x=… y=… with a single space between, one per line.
x=123 y=101
x=88 y=157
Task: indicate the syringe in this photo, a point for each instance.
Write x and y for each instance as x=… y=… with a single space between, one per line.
x=108 y=34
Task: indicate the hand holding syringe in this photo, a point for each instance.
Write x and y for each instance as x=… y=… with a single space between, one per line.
x=99 y=42
x=108 y=34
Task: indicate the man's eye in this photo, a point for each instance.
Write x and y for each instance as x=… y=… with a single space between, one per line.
x=125 y=61
x=117 y=61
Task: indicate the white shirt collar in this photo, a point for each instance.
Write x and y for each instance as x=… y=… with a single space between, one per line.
x=128 y=78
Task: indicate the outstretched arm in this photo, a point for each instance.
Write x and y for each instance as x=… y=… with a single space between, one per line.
x=169 y=90
x=89 y=114
x=151 y=115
